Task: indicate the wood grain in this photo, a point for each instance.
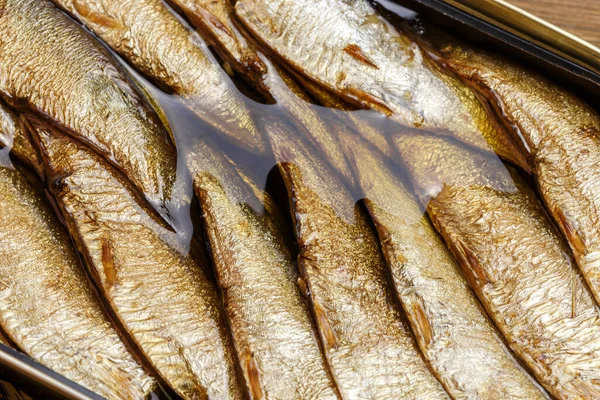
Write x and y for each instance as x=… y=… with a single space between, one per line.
x=580 y=17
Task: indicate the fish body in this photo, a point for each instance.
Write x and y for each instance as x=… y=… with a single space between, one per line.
x=514 y=259
x=368 y=348
x=51 y=67
x=157 y=292
x=214 y=19
x=562 y=135
x=272 y=328
x=48 y=307
x=348 y=48
x=457 y=339
x=154 y=41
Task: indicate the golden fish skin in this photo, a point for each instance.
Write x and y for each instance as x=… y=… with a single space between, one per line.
x=161 y=297
x=214 y=19
x=14 y=135
x=451 y=329
x=515 y=261
x=563 y=137
x=347 y=47
x=47 y=305
x=272 y=328
x=154 y=41
x=50 y=66
x=369 y=349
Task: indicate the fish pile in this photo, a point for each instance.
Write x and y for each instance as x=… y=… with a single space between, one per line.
x=291 y=199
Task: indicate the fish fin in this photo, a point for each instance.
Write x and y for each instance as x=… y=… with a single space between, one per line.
x=573 y=293
x=356 y=52
x=423 y=325
x=303 y=287
x=575 y=240
x=365 y=98
x=326 y=330
x=469 y=260
x=97 y=18
x=214 y=21
x=108 y=261
x=253 y=377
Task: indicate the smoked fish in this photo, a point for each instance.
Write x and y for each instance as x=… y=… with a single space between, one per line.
x=272 y=328
x=157 y=292
x=51 y=67
x=214 y=20
x=514 y=259
x=347 y=47
x=148 y=35
x=368 y=347
x=48 y=307
x=562 y=135
x=452 y=330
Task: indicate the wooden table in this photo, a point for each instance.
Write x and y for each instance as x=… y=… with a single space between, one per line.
x=580 y=17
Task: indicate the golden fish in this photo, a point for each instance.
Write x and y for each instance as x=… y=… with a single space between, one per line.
x=272 y=328
x=562 y=135
x=369 y=349
x=452 y=331
x=15 y=136
x=154 y=41
x=514 y=259
x=50 y=66
x=47 y=305
x=161 y=297
x=213 y=18
x=347 y=47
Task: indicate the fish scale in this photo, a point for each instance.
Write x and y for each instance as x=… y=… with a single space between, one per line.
x=48 y=307
x=52 y=68
x=369 y=350
x=514 y=259
x=346 y=47
x=213 y=18
x=154 y=41
x=158 y=292
x=276 y=342
x=452 y=331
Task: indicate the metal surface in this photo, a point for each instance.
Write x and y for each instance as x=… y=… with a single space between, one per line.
x=516 y=32
x=37 y=380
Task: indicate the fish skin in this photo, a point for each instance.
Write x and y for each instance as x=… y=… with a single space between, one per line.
x=562 y=134
x=369 y=349
x=154 y=41
x=514 y=259
x=14 y=135
x=272 y=328
x=51 y=67
x=157 y=292
x=47 y=305
x=452 y=330
x=347 y=47
x=214 y=19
